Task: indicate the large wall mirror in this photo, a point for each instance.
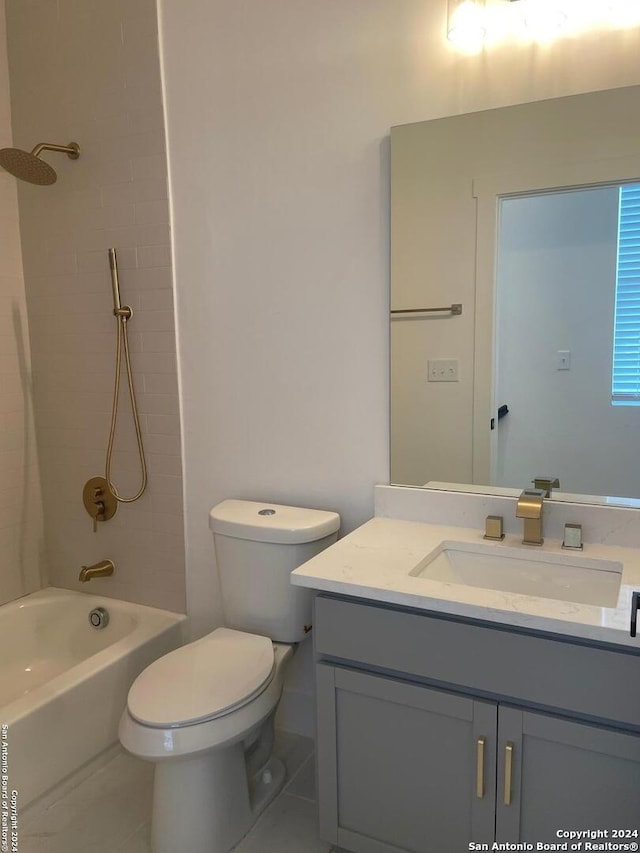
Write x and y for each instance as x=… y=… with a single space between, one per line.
x=527 y=217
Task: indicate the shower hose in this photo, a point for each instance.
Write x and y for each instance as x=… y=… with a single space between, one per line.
x=123 y=314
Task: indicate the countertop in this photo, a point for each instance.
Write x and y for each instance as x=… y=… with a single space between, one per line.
x=375 y=560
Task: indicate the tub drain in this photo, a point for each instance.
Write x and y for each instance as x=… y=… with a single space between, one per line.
x=98 y=617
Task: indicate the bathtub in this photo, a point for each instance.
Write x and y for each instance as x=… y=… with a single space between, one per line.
x=64 y=683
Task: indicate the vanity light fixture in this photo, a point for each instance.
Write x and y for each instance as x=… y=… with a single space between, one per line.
x=624 y=13
x=465 y=23
x=472 y=24
x=543 y=18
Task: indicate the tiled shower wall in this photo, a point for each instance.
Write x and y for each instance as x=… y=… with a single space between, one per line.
x=88 y=71
x=22 y=566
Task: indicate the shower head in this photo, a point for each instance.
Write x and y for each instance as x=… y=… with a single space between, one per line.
x=29 y=167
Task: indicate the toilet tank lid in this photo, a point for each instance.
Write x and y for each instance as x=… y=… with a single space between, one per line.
x=267 y=522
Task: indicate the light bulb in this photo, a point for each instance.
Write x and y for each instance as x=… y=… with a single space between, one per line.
x=544 y=18
x=465 y=23
x=624 y=13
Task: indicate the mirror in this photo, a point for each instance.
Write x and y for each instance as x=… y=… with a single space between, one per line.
x=513 y=214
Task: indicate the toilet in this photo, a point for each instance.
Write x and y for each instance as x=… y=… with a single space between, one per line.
x=204 y=713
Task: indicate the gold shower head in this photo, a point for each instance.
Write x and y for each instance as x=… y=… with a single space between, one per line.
x=29 y=167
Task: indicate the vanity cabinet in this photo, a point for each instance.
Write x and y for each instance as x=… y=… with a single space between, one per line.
x=397 y=764
x=433 y=732
x=565 y=774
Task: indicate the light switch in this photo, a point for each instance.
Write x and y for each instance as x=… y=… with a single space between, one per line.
x=442 y=370
x=563 y=359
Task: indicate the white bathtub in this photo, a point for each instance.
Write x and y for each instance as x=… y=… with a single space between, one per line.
x=64 y=684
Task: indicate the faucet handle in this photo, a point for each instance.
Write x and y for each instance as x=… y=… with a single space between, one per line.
x=572 y=537
x=546 y=483
x=494 y=528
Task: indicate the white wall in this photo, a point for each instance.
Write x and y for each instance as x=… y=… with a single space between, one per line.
x=278 y=117
x=88 y=70
x=22 y=561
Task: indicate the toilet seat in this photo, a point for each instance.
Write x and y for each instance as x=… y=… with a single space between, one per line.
x=156 y=743
x=204 y=680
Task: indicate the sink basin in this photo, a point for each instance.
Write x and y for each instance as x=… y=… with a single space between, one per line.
x=563 y=577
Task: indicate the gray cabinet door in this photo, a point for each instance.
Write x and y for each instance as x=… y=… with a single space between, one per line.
x=403 y=767
x=564 y=775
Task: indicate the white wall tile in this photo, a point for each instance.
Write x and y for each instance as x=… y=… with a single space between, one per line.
x=152 y=190
x=102 y=88
x=160 y=383
x=151 y=277
x=149 y=168
x=168 y=485
x=154 y=256
x=156 y=300
x=158 y=404
x=156 y=362
x=118 y=194
x=167 y=503
x=151 y=212
x=110 y=170
x=164 y=424
x=155 y=321
x=111 y=217
x=163 y=444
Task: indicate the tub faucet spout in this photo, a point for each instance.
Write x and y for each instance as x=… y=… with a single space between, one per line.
x=103 y=569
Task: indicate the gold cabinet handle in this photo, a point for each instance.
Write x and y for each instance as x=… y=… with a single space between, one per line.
x=508 y=772
x=480 y=745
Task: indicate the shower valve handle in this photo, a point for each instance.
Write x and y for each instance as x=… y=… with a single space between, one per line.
x=99 y=516
x=99 y=508
x=98 y=501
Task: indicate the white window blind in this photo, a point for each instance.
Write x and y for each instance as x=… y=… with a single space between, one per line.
x=626 y=337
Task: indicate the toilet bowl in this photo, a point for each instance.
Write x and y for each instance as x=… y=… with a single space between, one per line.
x=212 y=746
x=203 y=714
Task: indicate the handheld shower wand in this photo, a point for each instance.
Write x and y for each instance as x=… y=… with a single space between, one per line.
x=101 y=497
x=123 y=314
x=118 y=310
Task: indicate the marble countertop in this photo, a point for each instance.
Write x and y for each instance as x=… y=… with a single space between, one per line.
x=374 y=562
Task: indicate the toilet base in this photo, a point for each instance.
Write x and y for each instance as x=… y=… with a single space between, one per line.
x=266 y=785
x=207 y=804
x=212 y=779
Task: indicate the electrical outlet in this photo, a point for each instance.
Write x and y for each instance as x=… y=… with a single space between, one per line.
x=443 y=370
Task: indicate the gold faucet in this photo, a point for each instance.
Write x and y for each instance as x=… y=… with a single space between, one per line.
x=530 y=504
x=103 y=569
x=547 y=484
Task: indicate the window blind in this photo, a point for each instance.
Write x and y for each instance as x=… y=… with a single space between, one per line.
x=626 y=337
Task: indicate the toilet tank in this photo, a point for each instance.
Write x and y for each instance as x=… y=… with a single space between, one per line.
x=257 y=546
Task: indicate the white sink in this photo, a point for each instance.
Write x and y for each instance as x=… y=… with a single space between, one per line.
x=563 y=577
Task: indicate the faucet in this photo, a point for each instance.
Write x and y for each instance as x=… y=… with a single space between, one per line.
x=547 y=484
x=529 y=507
x=103 y=569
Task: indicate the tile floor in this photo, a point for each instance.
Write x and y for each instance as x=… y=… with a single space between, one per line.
x=109 y=811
